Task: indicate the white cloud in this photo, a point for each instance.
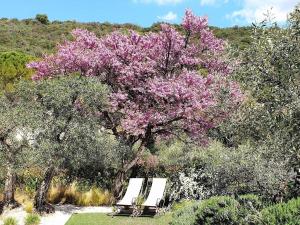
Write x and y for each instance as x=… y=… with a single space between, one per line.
x=170 y=16
x=255 y=10
x=207 y=2
x=159 y=2
x=213 y=2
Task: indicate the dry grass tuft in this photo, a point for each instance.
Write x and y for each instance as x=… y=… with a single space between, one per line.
x=28 y=207
x=22 y=197
x=71 y=195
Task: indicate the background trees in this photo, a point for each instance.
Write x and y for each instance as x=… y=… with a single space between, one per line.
x=32 y=37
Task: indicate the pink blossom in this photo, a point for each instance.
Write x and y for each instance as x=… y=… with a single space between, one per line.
x=154 y=78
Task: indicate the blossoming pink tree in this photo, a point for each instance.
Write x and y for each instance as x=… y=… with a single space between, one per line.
x=162 y=84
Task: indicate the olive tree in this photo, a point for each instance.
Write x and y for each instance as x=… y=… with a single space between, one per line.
x=270 y=117
x=17 y=126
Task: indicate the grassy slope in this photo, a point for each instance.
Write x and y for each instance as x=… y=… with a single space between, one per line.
x=32 y=37
x=103 y=219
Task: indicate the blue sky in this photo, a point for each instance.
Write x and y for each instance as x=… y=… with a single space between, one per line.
x=222 y=13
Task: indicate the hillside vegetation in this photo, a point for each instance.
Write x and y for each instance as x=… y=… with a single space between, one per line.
x=36 y=38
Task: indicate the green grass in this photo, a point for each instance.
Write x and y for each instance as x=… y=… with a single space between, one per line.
x=104 y=219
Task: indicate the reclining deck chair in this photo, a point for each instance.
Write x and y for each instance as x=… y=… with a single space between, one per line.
x=155 y=198
x=131 y=195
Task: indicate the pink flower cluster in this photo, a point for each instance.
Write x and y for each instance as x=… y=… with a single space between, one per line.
x=154 y=79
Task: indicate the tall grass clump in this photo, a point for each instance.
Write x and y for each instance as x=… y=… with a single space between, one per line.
x=28 y=207
x=72 y=194
x=10 y=221
x=32 y=219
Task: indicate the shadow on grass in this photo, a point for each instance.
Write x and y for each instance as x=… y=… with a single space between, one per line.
x=129 y=216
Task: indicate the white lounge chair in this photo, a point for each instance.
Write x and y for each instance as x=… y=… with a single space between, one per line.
x=132 y=193
x=156 y=195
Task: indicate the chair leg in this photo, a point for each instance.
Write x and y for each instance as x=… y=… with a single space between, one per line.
x=116 y=211
x=160 y=211
x=135 y=211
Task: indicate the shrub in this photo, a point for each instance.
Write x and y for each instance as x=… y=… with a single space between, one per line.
x=250 y=201
x=182 y=204
x=185 y=213
x=188 y=184
x=10 y=221
x=218 y=210
x=30 y=178
x=13 y=68
x=32 y=219
x=249 y=210
x=283 y=213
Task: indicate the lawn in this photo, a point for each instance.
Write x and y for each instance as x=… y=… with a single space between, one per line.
x=104 y=219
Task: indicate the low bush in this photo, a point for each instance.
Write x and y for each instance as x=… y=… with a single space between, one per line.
x=10 y=221
x=249 y=209
x=283 y=213
x=250 y=201
x=182 y=204
x=32 y=219
x=185 y=213
x=218 y=210
x=245 y=210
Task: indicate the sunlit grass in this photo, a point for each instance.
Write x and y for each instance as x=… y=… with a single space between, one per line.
x=104 y=219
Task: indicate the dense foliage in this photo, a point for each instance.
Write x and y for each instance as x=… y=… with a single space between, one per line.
x=283 y=213
x=247 y=210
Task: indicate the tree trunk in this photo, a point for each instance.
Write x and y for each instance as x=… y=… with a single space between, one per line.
x=40 y=200
x=123 y=173
x=118 y=184
x=9 y=189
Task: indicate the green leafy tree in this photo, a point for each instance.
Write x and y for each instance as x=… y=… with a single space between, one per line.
x=42 y=18
x=69 y=132
x=16 y=139
x=270 y=118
